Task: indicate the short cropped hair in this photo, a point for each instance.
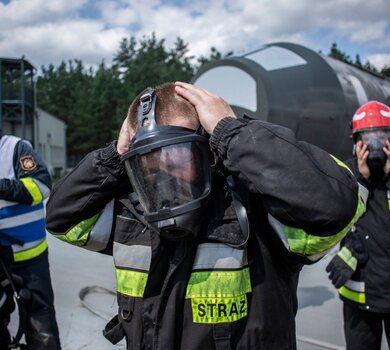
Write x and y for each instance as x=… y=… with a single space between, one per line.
x=169 y=106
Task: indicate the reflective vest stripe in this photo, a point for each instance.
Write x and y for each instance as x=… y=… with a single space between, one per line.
x=357 y=297
x=78 y=235
x=33 y=189
x=219 y=256
x=356 y=286
x=101 y=231
x=219 y=283
x=36 y=248
x=7 y=149
x=340 y=163
x=346 y=255
x=37 y=190
x=131 y=283
x=17 y=209
x=313 y=247
x=5 y=204
x=137 y=257
x=23 y=219
x=93 y=233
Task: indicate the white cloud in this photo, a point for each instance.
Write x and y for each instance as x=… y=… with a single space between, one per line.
x=27 y=12
x=63 y=40
x=51 y=31
x=380 y=60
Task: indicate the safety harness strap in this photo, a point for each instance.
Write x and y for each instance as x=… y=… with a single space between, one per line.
x=240 y=210
x=222 y=335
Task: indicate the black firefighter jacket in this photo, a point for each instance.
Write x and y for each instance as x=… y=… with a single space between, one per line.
x=204 y=293
x=369 y=286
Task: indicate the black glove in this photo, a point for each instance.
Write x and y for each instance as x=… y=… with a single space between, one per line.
x=340 y=271
x=343 y=265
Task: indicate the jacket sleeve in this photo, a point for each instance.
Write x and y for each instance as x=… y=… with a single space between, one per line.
x=311 y=197
x=81 y=207
x=32 y=181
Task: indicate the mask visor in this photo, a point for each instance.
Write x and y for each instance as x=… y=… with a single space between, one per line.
x=170 y=176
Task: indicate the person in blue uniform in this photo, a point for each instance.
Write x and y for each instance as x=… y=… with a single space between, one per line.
x=24 y=184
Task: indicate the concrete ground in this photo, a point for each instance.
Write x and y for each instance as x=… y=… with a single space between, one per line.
x=319 y=318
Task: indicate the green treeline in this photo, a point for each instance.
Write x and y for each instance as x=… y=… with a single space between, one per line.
x=94 y=102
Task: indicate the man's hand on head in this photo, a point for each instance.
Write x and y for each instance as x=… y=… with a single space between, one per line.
x=210 y=108
x=123 y=138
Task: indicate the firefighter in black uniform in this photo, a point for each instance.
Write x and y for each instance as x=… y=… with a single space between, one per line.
x=24 y=184
x=207 y=246
x=360 y=269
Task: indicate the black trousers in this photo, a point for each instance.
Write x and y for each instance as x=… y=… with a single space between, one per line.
x=41 y=330
x=363 y=329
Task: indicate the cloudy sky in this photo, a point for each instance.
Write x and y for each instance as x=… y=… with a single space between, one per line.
x=49 y=31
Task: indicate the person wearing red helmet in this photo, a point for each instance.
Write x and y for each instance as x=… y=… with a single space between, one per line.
x=360 y=269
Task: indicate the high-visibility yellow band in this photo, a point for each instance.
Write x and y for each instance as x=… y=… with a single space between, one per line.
x=357 y=297
x=346 y=255
x=340 y=163
x=300 y=242
x=31 y=253
x=219 y=310
x=211 y=284
x=78 y=235
x=33 y=189
x=130 y=282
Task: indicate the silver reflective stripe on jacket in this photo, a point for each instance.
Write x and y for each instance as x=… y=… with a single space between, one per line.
x=101 y=231
x=212 y=256
x=355 y=286
x=137 y=257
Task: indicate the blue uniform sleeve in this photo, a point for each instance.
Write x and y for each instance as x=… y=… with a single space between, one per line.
x=32 y=184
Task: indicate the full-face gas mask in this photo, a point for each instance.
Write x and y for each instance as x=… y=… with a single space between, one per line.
x=375 y=141
x=371 y=125
x=169 y=169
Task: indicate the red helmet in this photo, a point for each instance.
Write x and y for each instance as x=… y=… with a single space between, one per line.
x=372 y=114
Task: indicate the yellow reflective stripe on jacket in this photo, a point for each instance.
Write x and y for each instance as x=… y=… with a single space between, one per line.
x=340 y=163
x=130 y=282
x=388 y=199
x=300 y=242
x=33 y=189
x=219 y=283
x=346 y=255
x=358 y=297
x=78 y=235
x=219 y=310
x=31 y=252
x=219 y=296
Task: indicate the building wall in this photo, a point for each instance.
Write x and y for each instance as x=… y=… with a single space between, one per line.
x=51 y=141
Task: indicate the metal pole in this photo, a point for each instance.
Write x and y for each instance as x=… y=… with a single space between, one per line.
x=22 y=97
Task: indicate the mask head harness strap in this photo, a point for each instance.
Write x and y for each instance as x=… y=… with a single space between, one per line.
x=146 y=114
